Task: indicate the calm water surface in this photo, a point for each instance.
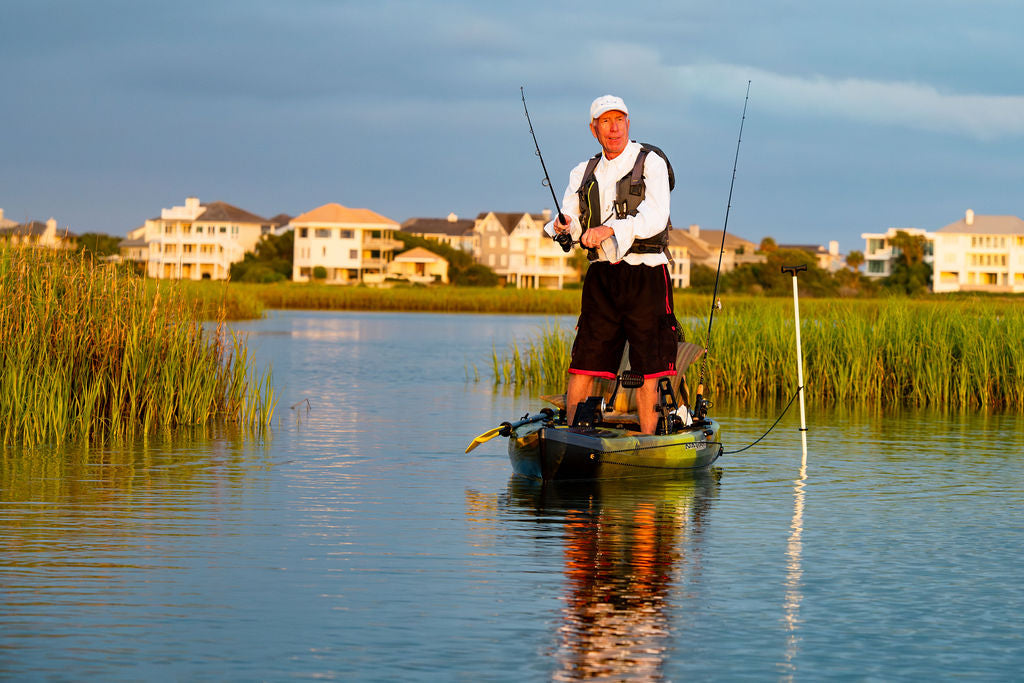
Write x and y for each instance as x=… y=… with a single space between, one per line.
x=358 y=541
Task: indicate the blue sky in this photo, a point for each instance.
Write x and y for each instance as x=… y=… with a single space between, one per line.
x=862 y=115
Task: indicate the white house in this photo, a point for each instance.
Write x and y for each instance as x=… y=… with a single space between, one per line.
x=352 y=245
x=979 y=253
x=195 y=241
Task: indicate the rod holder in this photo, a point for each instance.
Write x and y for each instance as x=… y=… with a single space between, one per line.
x=794 y=271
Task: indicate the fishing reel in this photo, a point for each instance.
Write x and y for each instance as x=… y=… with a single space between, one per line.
x=564 y=240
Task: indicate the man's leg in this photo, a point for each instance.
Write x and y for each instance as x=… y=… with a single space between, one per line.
x=646 y=399
x=578 y=390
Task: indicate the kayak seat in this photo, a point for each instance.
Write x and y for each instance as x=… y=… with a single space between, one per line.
x=624 y=410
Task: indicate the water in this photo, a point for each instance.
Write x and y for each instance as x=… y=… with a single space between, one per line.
x=360 y=542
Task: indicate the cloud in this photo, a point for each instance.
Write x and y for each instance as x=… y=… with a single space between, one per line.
x=892 y=103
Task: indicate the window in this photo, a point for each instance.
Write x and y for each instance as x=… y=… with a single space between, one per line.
x=199 y=228
x=303 y=232
x=234 y=229
x=223 y=229
x=353 y=254
x=324 y=252
x=322 y=232
x=168 y=229
x=345 y=234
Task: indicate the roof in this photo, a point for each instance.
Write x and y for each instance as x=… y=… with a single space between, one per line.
x=224 y=212
x=810 y=248
x=281 y=219
x=681 y=238
x=137 y=242
x=509 y=220
x=420 y=255
x=31 y=228
x=336 y=213
x=987 y=225
x=714 y=237
x=438 y=226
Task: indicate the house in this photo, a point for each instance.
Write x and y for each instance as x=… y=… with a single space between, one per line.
x=736 y=251
x=880 y=255
x=195 y=241
x=352 y=245
x=420 y=266
x=828 y=258
x=453 y=231
x=35 y=233
x=515 y=246
x=979 y=253
x=684 y=250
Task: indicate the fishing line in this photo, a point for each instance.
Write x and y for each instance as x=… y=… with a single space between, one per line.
x=798 y=390
x=714 y=296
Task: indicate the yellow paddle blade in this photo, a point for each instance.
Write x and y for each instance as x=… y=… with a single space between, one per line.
x=484 y=438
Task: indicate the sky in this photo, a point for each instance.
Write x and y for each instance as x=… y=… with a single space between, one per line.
x=861 y=116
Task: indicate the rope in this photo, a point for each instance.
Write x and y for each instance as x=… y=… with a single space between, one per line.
x=797 y=393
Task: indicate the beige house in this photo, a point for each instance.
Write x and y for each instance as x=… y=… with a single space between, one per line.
x=515 y=247
x=979 y=253
x=684 y=250
x=455 y=232
x=35 y=233
x=736 y=251
x=352 y=245
x=880 y=255
x=195 y=241
x=420 y=266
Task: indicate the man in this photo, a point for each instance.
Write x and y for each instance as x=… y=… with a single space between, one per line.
x=617 y=205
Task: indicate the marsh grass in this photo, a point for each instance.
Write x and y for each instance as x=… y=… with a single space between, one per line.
x=954 y=354
x=91 y=352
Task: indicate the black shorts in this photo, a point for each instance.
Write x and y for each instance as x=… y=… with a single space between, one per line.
x=623 y=303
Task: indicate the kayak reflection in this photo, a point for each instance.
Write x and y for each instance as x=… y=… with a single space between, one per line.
x=627 y=545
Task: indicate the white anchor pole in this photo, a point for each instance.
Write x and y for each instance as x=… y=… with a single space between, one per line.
x=799 y=354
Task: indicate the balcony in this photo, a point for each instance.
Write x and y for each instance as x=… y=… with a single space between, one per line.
x=380 y=244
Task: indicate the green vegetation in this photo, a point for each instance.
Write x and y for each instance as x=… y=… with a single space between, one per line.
x=441 y=299
x=271 y=261
x=956 y=354
x=98 y=244
x=92 y=352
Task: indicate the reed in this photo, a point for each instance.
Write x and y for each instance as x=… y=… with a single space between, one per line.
x=955 y=354
x=92 y=352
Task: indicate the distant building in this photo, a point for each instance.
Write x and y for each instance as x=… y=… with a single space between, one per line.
x=419 y=266
x=684 y=250
x=880 y=255
x=735 y=252
x=828 y=258
x=352 y=245
x=35 y=233
x=979 y=253
x=195 y=241
x=453 y=231
x=515 y=246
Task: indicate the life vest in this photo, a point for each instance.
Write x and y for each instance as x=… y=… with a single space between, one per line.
x=630 y=190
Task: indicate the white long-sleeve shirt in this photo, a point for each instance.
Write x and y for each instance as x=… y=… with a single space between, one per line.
x=651 y=216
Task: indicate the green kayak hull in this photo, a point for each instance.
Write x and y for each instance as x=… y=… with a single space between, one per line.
x=549 y=452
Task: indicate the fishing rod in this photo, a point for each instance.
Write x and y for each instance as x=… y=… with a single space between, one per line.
x=563 y=238
x=700 y=404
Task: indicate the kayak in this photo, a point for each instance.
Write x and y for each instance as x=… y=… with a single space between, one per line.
x=541 y=448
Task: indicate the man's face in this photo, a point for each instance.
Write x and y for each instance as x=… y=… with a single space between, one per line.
x=612 y=130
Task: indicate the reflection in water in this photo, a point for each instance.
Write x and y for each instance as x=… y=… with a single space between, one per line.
x=625 y=545
x=794 y=571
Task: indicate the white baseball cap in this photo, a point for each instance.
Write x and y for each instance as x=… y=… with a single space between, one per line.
x=607 y=103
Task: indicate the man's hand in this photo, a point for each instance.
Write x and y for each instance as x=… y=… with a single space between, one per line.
x=561 y=223
x=594 y=236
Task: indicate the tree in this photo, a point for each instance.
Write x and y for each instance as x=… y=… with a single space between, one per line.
x=910 y=274
x=98 y=244
x=855 y=260
x=768 y=245
x=273 y=254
